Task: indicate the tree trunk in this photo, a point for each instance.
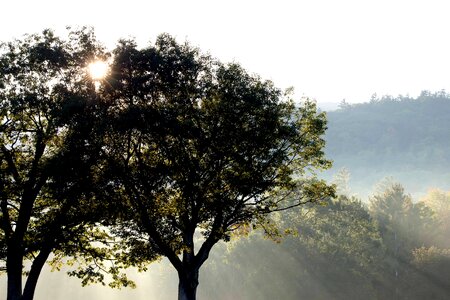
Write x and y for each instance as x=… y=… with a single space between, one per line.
x=187 y=287
x=35 y=271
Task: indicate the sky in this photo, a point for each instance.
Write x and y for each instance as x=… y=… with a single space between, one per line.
x=328 y=50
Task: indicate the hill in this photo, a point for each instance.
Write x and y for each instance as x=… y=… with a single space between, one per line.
x=407 y=138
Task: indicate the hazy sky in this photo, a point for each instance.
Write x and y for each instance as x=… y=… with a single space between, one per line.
x=325 y=49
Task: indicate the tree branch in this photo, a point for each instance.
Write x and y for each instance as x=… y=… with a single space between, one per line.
x=11 y=165
x=210 y=241
x=151 y=230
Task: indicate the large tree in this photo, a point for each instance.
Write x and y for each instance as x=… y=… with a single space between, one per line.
x=197 y=149
x=48 y=148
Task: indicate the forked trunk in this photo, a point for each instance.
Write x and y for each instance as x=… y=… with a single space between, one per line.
x=14 y=274
x=35 y=272
x=187 y=287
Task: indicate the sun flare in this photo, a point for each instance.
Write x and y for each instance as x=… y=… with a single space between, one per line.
x=98 y=69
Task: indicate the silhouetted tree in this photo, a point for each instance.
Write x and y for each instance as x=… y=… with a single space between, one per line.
x=47 y=150
x=199 y=149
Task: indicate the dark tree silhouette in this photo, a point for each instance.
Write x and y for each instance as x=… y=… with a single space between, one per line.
x=47 y=147
x=198 y=149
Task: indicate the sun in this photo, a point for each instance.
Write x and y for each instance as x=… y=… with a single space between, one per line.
x=98 y=69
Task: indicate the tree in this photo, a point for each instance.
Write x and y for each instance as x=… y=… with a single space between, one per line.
x=48 y=148
x=341 y=180
x=403 y=225
x=439 y=202
x=344 y=104
x=199 y=149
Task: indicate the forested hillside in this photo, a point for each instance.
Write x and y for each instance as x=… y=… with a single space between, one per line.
x=407 y=138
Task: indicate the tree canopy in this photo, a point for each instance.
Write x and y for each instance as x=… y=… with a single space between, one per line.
x=48 y=150
x=200 y=147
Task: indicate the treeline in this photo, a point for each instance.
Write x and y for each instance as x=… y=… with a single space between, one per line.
x=392 y=248
x=393 y=131
x=405 y=137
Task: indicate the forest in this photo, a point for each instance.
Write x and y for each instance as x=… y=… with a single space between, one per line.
x=171 y=157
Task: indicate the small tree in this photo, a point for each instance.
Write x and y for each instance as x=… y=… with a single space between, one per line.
x=341 y=179
x=48 y=145
x=403 y=225
x=199 y=149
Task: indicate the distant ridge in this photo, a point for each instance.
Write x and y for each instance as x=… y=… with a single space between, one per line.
x=408 y=138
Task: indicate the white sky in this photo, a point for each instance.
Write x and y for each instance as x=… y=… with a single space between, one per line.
x=325 y=49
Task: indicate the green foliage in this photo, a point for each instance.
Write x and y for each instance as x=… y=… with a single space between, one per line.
x=403 y=224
